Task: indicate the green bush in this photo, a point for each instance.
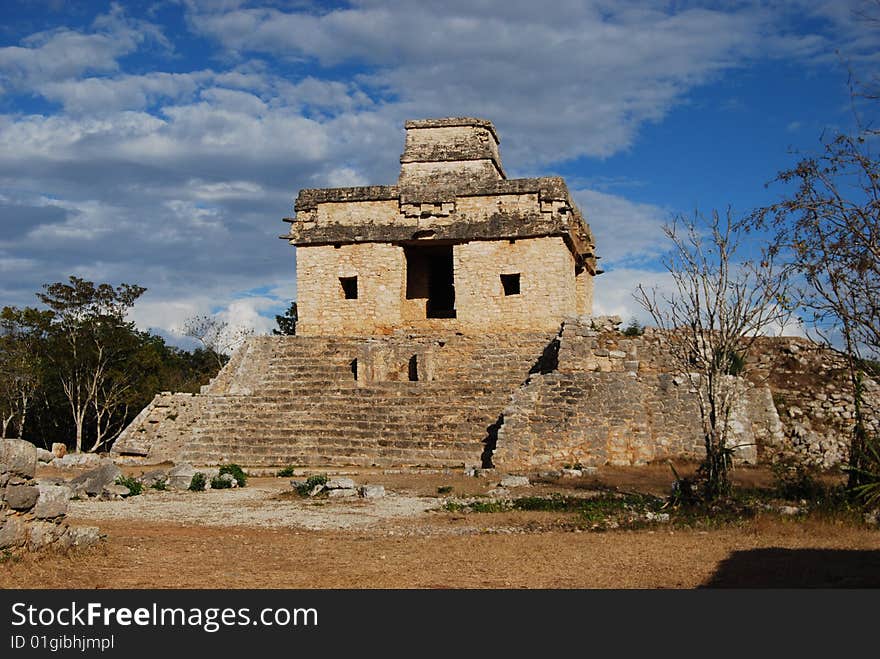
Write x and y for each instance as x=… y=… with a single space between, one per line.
x=311 y=482
x=197 y=484
x=794 y=480
x=134 y=486
x=236 y=472
x=634 y=328
x=219 y=483
x=286 y=472
x=159 y=485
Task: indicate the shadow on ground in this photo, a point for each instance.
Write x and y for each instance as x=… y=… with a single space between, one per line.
x=798 y=568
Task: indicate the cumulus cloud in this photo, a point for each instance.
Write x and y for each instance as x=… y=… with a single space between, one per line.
x=624 y=231
x=62 y=53
x=176 y=178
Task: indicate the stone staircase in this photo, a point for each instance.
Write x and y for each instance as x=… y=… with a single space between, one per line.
x=349 y=401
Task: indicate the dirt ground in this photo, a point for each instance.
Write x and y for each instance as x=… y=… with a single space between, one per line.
x=264 y=536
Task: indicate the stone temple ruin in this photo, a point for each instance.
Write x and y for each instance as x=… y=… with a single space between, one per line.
x=445 y=321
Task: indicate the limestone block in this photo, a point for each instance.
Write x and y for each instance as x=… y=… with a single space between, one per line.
x=52 y=501
x=21 y=496
x=13 y=532
x=93 y=482
x=514 y=481
x=371 y=491
x=342 y=493
x=41 y=535
x=77 y=460
x=80 y=536
x=180 y=476
x=340 y=484
x=113 y=491
x=44 y=456
x=19 y=456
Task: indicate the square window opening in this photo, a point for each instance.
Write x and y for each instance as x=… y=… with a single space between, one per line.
x=349 y=287
x=510 y=283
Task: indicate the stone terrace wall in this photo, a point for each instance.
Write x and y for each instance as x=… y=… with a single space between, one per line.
x=518 y=400
x=616 y=400
x=812 y=392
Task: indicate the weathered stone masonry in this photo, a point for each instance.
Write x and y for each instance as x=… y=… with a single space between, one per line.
x=455 y=245
x=445 y=320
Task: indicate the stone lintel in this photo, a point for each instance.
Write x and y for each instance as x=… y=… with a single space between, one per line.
x=548 y=188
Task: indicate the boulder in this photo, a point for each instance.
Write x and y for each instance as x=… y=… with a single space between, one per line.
x=52 y=502
x=80 y=536
x=514 y=481
x=59 y=450
x=93 y=482
x=19 y=456
x=78 y=460
x=21 y=496
x=44 y=456
x=371 y=491
x=41 y=535
x=113 y=491
x=180 y=476
x=342 y=492
x=151 y=478
x=13 y=532
x=340 y=484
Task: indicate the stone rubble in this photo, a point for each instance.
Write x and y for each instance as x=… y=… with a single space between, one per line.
x=32 y=513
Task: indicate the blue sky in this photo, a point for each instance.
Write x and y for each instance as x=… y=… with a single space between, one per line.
x=160 y=143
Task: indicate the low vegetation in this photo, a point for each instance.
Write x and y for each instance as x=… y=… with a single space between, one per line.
x=236 y=472
x=135 y=487
x=198 y=482
x=311 y=483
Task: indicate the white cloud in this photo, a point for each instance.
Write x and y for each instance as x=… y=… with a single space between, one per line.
x=615 y=289
x=178 y=180
x=125 y=92
x=625 y=231
x=64 y=53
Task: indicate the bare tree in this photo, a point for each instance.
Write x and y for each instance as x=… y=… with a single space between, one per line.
x=716 y=309
x=217 y=336
x=87 y=341
x=828 y=234
x=22 y=335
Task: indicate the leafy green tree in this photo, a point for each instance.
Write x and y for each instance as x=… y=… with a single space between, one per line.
x=287 y=322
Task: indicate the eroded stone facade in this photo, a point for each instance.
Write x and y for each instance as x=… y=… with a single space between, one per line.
x=455 y=245
x=444 y=321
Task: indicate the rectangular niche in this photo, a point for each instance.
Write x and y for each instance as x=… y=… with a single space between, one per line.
x=510 y=284
x=349 y=287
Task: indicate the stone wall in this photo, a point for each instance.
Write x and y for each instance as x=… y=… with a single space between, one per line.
x=547 y=289
x=811 y=390
x=380 y=270
x=32 y=512
x=519 y=400
x=158 y=429
x=615 y=400
x=546 y=284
